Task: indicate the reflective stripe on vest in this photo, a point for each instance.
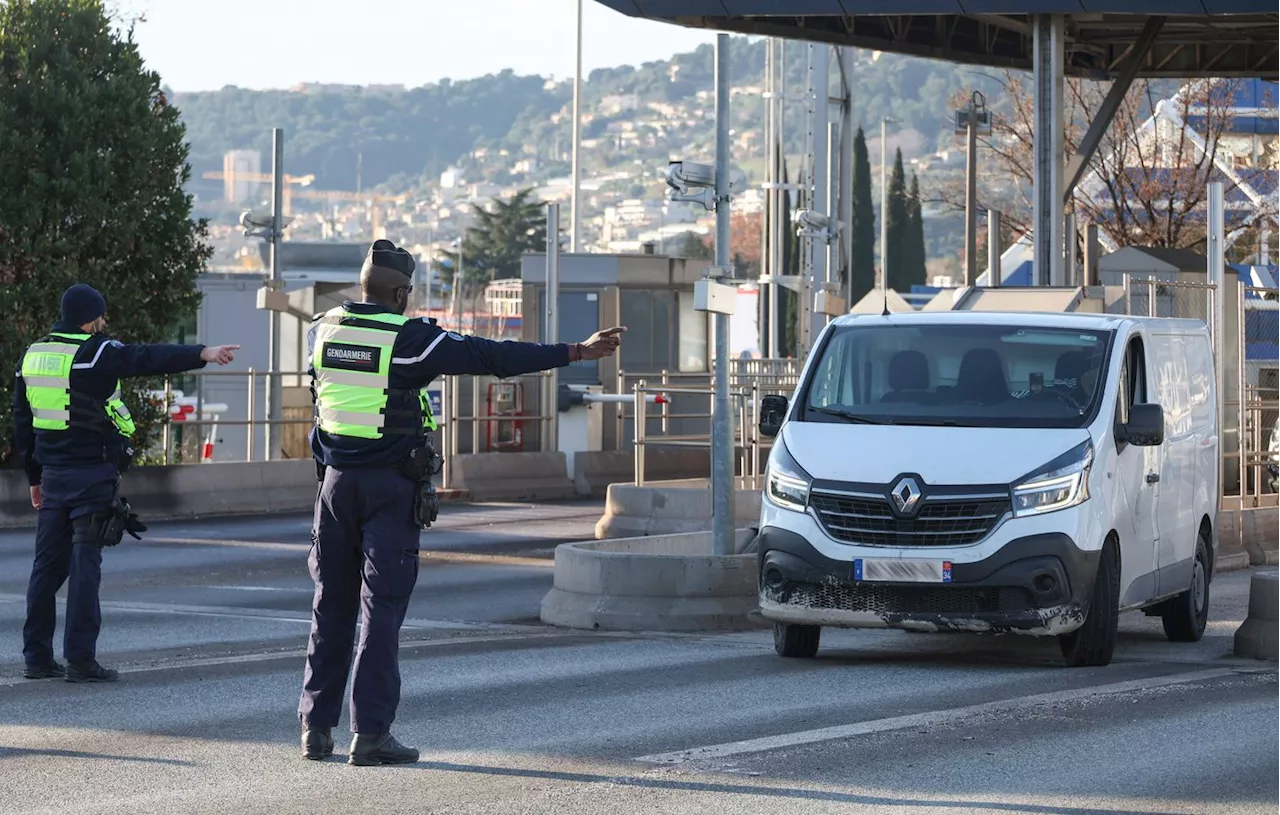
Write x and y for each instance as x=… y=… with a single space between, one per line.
x=46 y=371
x=352 y=362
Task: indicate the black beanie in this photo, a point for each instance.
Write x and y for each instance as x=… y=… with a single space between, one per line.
x=82 y=304
x=387 y=255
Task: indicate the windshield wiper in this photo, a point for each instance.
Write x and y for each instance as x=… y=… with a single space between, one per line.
x=846 y=415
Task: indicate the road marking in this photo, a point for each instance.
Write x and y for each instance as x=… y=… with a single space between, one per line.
x=919 y=719
x=496 y=560
x=257 y=588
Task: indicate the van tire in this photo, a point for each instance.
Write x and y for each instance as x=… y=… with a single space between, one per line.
x=1186 y=615
x=1093 y=643
x=796 y=641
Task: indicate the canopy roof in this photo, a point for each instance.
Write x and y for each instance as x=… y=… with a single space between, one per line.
x=1224 y=38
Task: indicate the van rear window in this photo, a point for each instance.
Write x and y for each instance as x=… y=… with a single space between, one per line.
x=964 y=375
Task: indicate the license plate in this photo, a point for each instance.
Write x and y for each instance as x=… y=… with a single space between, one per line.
x=902 y=571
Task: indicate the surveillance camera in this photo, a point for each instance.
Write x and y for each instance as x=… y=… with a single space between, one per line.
x=250 y=219
x=808 y=219
x=681 y=175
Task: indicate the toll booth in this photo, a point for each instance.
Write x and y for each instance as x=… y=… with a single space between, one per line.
x=651 y=294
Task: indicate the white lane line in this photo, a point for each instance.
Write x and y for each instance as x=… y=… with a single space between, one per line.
x=919 y=719
x=256 y=588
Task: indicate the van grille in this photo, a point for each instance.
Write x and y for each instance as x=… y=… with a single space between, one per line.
x=872 y=521
x=886 y=599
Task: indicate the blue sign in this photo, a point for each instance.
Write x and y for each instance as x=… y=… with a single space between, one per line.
x=437 y=407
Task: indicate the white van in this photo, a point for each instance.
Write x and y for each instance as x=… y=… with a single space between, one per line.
x=995 y=472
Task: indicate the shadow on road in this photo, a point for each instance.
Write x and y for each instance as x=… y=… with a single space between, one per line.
x=20 y=752
x=770 y=792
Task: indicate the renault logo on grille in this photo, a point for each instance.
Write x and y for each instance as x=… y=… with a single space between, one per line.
x=905 y=495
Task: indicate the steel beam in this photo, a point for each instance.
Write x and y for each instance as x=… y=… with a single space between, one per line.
x=1048 y=210
x=1102 y=119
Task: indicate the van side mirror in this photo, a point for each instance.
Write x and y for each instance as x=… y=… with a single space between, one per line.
x=1145 y=427
x=772 y=411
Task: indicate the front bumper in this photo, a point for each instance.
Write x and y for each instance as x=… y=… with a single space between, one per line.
x=1036 y=585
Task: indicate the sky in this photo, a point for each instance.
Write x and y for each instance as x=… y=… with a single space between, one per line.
x=200 y=45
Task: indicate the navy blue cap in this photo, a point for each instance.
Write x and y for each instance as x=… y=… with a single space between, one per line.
x=82 y=304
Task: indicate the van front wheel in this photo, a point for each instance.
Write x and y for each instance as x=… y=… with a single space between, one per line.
x=1186 y=615
x=1093 y=643
x=791 y=640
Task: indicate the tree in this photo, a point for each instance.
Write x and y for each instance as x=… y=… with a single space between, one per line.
x=864 y=222
x=93 y=160
x=745 y=244
x=788 y=301
x=691 y=245
x=491 y=247
x=895 y=272
x=1145 y=185
x=914 y=255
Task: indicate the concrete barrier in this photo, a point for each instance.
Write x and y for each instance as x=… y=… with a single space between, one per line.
x=1256 y=637
x=191 y=491
x=182 y=491
x=595 y=471
x=1248 y=537
x=668 y=507
x=513 y=476
x=656 y=583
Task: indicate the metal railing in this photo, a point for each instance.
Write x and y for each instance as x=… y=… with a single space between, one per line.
x=750 y=379
x=537 y=410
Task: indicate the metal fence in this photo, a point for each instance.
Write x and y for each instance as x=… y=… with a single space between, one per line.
x=1259 y=311
x=476 y=414
x=682 y=420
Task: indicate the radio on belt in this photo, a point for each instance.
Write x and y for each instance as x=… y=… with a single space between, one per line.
x=709 y=294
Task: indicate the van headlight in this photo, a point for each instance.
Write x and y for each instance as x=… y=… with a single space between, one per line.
x=1062 y=483
x=785 y=484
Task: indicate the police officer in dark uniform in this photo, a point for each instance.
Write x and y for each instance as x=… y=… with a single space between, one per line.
x=72 y=430
x=369 y=364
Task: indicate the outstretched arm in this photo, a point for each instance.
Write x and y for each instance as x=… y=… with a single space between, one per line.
x=123 y=361
x=426 y=351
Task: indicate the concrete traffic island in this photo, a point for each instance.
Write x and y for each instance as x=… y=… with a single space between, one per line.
x=1257 y=635
x=668 y=507
x=653 y=583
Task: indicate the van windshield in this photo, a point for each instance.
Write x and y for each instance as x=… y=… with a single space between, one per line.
x=962 y=375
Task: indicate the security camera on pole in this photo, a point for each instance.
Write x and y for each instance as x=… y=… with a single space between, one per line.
x=712 y=295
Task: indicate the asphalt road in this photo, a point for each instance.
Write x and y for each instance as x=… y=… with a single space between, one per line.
x=207 y=623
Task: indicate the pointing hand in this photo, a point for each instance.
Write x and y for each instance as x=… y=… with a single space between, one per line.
x=221 y=354
x=602 y=343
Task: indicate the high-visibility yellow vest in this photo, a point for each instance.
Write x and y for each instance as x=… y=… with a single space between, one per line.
x=352 y=362
x=46 y=370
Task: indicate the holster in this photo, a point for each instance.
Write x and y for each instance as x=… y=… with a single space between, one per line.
x=125 y=459
x=107 y=527
x=418 y=466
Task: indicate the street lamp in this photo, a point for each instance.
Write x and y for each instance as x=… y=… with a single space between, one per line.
x=972 y=120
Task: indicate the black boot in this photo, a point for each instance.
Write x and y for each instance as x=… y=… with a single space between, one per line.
x=369 y=749
x=317 y=742
x=90 y=672
x=51 y=671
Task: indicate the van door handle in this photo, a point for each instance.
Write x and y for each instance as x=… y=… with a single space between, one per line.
x=1153 y=478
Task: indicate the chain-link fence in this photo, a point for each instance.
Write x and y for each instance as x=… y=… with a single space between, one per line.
x=1183 y=299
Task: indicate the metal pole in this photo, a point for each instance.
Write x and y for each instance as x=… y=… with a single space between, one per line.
x=722 y=491
x=447 y=420
x=845 y=196
x=575 y=208
x=168 y=414
x=475 y=415
x=274 y=395
x=971 y=197
x=1047 y=33
x=884 y=204
x=1216 y=273
x=251 y=414
x=552 y=327
x=1091 y=255
x=1069 y=249
x=638 y=435
x=820 y=190
x=993 y=249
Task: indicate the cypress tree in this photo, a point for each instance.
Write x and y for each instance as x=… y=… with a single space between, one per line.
x=895 y=274
x=864 y=222
x=788 y=301
x=914 y=272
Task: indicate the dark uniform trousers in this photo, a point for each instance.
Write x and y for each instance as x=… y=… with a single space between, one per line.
x=364 y=559
x=69 y=497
